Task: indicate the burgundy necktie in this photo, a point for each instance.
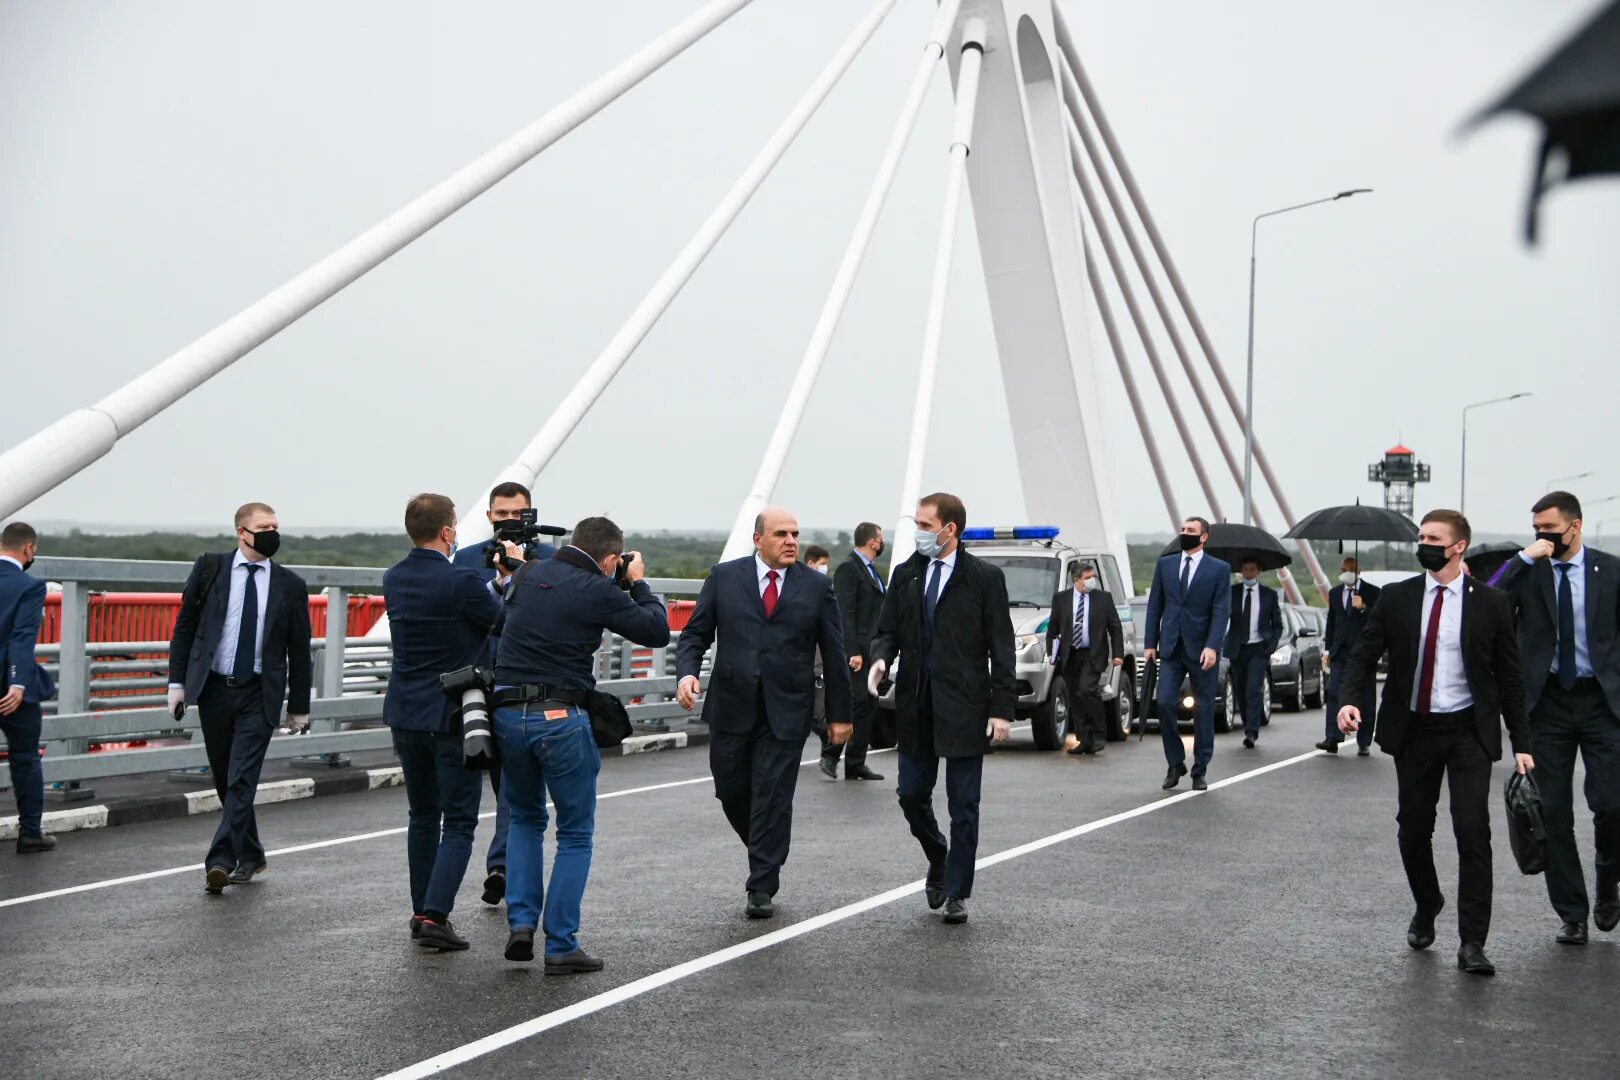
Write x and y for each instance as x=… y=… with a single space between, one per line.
x=770 y=595
x=1430 y=644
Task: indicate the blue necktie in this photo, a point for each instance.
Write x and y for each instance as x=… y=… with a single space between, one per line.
x=1566 y=628
x=1186 y=568
x=247 y=634
x=870 y=569
x=931 y=597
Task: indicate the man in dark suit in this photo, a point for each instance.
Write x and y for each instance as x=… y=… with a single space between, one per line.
x=1567 y=597
x=439 y=617
x=1251 y=638
x=946 y=630
x=23 y=683
x=1348 y=606
x=859 y=589
x=769 y=614
x=506 y=503
x=1454 y=677
x=1083 y=637
x=1188 y=612
x=241 y=646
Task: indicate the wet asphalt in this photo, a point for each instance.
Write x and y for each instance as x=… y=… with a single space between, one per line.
x=1257 y=930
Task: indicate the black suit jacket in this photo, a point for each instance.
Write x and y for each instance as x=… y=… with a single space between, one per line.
x=1107 y=635
x=285 y=667
x=972 y=653
x=1344 y=626
x=1533 y=591
x=859 y=603
x=1237 y=632
x=1490 y=661
x=775 y=655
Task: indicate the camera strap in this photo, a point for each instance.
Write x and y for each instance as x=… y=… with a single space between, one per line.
x=506 y=598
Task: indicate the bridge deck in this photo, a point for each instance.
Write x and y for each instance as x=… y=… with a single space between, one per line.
x=1256 y=930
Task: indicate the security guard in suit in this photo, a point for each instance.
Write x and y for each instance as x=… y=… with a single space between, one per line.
x=859 y=588
x=1349 y=604
x=23 y=683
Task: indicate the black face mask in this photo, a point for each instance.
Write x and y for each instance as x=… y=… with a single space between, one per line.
x=1432 y=557
x=266 y=543
x=27 y=564
x=1556 y=539
x=1189 y=542
x=882 y=547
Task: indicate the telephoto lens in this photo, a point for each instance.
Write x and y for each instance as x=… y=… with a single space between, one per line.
x=477 y=740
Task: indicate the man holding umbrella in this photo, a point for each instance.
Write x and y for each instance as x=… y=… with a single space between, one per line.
x=1250 y=640
x=1348 y=606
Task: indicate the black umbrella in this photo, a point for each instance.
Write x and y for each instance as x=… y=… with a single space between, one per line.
x=1356 y=523
x=1486 y=559
x=1575 y=93
x=1232 y=543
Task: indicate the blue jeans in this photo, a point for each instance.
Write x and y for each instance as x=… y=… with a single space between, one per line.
x=1205 y=684
x=27 y=778
x=495 y=858
x=540 y=756
x=443 y=797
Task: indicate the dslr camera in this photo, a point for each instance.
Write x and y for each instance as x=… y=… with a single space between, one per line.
x=470 y=687
x=525 y=531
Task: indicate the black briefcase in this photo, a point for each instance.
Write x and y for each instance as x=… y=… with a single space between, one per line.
x=1527 y=829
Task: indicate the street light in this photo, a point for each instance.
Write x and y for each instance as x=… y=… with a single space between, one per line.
x=1462 y=483
x=1577 y=476
x=1248 y=405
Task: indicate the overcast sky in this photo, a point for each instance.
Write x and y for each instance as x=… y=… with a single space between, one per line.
x=167 y=163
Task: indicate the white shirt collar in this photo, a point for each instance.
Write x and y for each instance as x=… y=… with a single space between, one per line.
x=761 y=570
x=1455 y=588
x=948 y=560
x=13 y=562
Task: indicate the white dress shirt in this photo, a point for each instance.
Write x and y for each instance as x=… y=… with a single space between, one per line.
x=763 y=572
x=1196 y=557
x=1253 y=596
x=225 y=652
x=1450 y=691
x=949 y=564
x=1081 y=618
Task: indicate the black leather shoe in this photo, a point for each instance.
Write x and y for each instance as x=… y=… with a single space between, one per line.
x=416 y=926
x=1099 y=748
x=441 y=936
x=1200 y=784
x=1173 y=776
x=495 y=887
x=30 y=845
x=1606 y=912
x=242 y=875
x=934 y=886
x=1248 y=742
x=520 y=945
x=573 y=963
x=215 y=880
x=829 y=768
x=760 y=906
x=1077 y=750
x=1420 y=931
x=1572 y=933
x=1329 y=745
x=860 y=772
x=1472 y=959
x=956 y=910
x=1362 y=751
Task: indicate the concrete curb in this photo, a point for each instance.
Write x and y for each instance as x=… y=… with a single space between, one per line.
x=140 y=808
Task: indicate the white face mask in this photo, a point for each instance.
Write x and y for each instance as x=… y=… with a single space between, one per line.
x=1091 y=584
x=927 y=543
x=820 y=568
x=1347 y=578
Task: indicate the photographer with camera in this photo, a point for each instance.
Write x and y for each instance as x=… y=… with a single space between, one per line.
x=439 y=615
x=511 y=516
x=544 y=673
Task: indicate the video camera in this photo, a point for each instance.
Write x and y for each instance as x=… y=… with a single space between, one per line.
x=470 y=687
x=524 y=531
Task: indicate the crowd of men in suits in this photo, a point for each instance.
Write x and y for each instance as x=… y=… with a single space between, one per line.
x=802 y=650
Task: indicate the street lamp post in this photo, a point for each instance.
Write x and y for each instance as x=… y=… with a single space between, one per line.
x=1248 y=403
x=1462 y=481
x=1576 y=476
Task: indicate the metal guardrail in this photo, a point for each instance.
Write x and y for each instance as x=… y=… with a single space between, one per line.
x=351 y=675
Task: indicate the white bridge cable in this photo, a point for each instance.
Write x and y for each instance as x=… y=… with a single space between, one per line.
x=1071 y=56
x=584 y=394
x=860 y=241
x=40 y=463
x=903 y=540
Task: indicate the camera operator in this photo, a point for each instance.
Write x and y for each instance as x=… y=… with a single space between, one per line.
x=544 y=673
x=439 y=616
x=506 y=505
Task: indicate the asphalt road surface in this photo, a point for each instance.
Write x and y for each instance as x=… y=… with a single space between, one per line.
x=1256 y=930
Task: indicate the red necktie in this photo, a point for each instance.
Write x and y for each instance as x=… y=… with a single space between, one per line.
x=770 y=595
x=1430 y=644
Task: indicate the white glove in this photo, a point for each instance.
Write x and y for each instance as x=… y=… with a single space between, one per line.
x=874 y=675
x=297 y=724
x=177 y=702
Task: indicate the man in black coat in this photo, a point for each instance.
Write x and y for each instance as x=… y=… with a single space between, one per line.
x=1454 y=678
x=769 y=614
x=1567 y=597
x=946 y=630
x=1083 y=637
x=859 y=589
x=1348 y=606
x=241 y=646
x=1251 y=638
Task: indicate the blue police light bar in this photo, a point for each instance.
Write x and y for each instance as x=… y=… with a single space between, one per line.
x=1015 y=532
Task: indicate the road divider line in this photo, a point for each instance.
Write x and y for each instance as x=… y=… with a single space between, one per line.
x=648 y=983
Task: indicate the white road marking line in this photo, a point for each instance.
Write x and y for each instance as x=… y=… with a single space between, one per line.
x=658 y=979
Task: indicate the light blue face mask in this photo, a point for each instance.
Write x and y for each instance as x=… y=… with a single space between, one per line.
x=927 y=543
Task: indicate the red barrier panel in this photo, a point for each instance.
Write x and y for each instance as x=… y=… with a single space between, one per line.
x=150 y=616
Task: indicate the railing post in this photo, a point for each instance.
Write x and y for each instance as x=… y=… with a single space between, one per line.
x=73 y=674
x=337 y=633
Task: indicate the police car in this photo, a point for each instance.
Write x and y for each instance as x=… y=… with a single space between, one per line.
x=1037 y=565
